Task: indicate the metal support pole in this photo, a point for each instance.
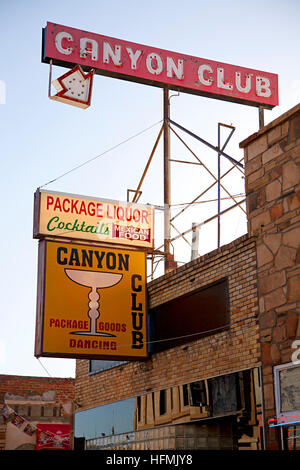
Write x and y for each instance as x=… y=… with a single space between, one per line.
x=235 y=162
x=135 y=198
x=167 y=187
x=219 y=186
x=261 y=117
x=50 y=79
x=219 y=172
x=195 y=241
x=209 y=220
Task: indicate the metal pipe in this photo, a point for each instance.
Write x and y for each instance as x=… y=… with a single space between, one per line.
x=201 y=194
x=219 y=173
x=147 y=165
x=183 y=161
x=235 y=162
x=195 y=241
x=203 y=223
x=167 y=191
x=207 y=169
x=219 y=186
x=50 y=78
x=209 y=220
x=261 y=117
x=176 y=229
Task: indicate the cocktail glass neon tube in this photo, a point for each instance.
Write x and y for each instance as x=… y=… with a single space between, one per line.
x=95 y=280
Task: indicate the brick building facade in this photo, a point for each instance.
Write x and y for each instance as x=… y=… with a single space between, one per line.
x=166 y=375
x=233 y=349
x=37 y=400
x=177 y=398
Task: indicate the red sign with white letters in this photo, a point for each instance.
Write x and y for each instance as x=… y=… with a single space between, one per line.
x=53 y=436
x=121 y=59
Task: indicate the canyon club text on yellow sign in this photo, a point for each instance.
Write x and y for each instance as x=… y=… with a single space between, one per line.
x=91 y=302
x=82 y=218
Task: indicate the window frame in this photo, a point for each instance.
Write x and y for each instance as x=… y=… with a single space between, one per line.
x=283 y=414
x=112 y=366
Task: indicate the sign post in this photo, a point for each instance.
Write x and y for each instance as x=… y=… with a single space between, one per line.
x=167 y=183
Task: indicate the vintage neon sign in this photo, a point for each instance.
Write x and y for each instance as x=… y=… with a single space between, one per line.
x=121 y=59
x=65 y=215
x=74 y=87
x=91 y=302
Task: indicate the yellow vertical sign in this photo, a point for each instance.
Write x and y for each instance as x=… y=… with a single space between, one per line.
x=91 y=302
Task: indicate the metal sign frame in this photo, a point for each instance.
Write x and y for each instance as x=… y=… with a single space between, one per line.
x=67 y=47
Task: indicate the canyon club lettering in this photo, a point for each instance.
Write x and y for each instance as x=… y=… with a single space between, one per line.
x=92 y=258
x=137 y=313
x=152 y=66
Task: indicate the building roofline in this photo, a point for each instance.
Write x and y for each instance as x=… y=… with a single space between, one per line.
x=271 y=125
x=203 y=259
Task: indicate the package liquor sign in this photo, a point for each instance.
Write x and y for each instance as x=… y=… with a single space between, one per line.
x=98 y=220
x=91 y=302
x=113 y=57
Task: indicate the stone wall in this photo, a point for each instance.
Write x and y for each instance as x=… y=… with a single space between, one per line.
x=272 y=168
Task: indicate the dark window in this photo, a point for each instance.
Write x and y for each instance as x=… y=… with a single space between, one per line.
x=185 y=395
x=138 y=408
x=224 y=397
x=97 y=365
x=117 y=418
x=202 y=313
x=198 y=393
x=162 y=402
x=153 y=404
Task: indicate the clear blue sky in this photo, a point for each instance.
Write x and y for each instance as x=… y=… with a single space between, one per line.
x=42 y=139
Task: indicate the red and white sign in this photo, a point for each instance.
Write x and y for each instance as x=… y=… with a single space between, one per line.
x=74 y=87
x=53 y=436
x=152 y=66
x=65 y=215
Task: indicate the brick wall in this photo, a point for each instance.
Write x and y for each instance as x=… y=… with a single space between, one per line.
x=234 y=349
x=18 y=387
x=272 y=167
x=37 y=400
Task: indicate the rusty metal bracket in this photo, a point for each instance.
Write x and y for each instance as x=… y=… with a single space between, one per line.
x=192 y=134
x=137 y=194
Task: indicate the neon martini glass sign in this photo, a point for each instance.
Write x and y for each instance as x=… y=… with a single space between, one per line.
x=95 y=280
